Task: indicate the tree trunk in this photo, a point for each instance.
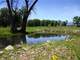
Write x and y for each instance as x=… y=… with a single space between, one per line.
x=11 y=18
x=24 y=23
x=26 y=15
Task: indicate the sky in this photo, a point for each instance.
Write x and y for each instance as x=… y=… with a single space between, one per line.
x=55 y=9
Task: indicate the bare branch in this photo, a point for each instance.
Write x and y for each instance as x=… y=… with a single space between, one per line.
x=27 y=4
x=9 y=7
x=11 y=2
x=32 y=6
x=34 y=10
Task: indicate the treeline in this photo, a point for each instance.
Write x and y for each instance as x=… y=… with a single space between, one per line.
x=38 y=22
x=35 y=22
x=5 y=21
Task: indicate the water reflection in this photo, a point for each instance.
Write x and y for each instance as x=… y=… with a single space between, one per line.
x=12 y=40
x=29 y=39
x=42 y=35
x=34 y=39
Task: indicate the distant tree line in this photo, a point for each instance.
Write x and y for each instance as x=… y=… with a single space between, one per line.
x=5 y=21
x=38 y=22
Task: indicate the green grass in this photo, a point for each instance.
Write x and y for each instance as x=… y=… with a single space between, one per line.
x=39 y=28
x=44 y=51
x=53 y=30
x=65 y=50
x=5 y=31
x=72 y=49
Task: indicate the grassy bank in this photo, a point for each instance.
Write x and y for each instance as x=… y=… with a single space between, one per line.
x=4 y=31
x=62 y=28
x=63 y=50
x=53 y=30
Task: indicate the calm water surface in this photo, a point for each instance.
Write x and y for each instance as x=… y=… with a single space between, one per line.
x=30 y=39
x=44 y=38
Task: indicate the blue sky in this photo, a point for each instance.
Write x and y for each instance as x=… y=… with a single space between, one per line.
x=57 y=9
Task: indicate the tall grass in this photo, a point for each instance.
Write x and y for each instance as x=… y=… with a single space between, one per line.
x=5 y=31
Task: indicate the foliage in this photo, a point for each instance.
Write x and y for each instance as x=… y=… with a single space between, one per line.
x=34 y=22
x=38 y=22
x=4 y=21
x=76 y=20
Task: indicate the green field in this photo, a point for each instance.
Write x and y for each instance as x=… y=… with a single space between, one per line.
x=53 y=30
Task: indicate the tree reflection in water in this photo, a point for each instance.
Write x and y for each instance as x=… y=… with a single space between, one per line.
x=12 y=40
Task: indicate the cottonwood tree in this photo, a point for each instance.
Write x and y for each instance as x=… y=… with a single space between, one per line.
x=76 y=21
x=14 y=6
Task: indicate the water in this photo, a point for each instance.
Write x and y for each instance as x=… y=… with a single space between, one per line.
x=29 y=39
x=44 y=38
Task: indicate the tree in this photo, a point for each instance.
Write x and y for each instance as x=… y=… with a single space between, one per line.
x=4 y=17
x=34 y=22
x=13 y=6
x=64 y=23
x=76 y=20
